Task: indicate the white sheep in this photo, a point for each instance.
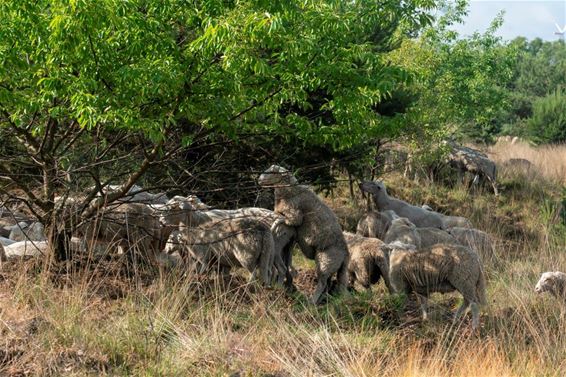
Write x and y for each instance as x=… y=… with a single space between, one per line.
x=373 y=224
x=319 y=234
x=442 y=268
x=283 y=235
x=553 y=283
x=417 y=215
x=130 y=225
x=241 y=242
x=23 y=231
x=475 y=239
x=404 y=231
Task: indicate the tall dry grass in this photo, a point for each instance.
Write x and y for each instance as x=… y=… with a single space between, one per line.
x=104 y=320
x=549 y=161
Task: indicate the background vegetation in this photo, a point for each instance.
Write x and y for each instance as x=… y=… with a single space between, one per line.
x=198 y=97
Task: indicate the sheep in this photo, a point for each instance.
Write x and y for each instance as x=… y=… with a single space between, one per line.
x=553 y=283
x=26 y=249
x=283 y=235
x=402 y=230
x=470 y=160
x=417 y=215
x=373 y=224
x=23 y=231
x=6 y=241
x=367 y=262
x=433 y=236
x=319 y=234
x=441 y=268
x=241 y=242
x=135 y=194
x=455 y=221
x=128 y=224
x=474 y=239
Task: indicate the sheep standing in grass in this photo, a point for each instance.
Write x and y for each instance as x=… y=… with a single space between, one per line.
x=283 y=235
x=368 y=262
x=404 y=231
x=441 y=268
x=373 y=224
x=319 y=234
x=417 y=215
x=474 y=239
x=130 y=225
x=553 y=283
x=241 y=242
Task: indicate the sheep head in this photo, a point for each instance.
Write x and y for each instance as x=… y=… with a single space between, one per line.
x=176 y=211
x=553 y=282
x=374 y=188
x=276 y=176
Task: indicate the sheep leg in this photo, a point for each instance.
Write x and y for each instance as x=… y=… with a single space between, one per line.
x=423 y=300
x=461 y=310
x=321 y=287
x=287 y=260
x=475 y=315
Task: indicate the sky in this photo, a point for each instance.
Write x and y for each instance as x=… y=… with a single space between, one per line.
x=529 y=19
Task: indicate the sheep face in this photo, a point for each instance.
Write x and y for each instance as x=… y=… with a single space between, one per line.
x=175 y=211
x=374 y=188
x=551 y=282
x=197 y=203
x=276 y=175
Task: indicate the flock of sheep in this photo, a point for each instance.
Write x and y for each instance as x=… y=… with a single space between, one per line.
x=414 y=249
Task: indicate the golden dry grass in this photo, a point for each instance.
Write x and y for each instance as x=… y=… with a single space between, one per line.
x=549 y=161
x=101 y=321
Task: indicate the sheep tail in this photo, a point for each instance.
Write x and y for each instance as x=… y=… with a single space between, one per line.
x=480 y=288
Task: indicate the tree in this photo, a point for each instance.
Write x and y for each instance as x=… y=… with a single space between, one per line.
x=548 y=122
x=87 y=84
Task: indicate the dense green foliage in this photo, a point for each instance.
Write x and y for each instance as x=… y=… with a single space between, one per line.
x=539 y=71
x=548 y=122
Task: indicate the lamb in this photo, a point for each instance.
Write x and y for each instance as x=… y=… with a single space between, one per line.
x=373 y=224
x=553 y=283
x=368 y=262
x=417 y=215
x=319 y=234
x=241 y=242
x=442 y=268
x=474 y=239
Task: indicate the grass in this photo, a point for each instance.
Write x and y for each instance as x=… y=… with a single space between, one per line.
x=101 y=321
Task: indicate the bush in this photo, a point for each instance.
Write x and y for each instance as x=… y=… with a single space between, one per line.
x=548 y=122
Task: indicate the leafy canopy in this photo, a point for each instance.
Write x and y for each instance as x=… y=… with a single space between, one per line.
x=230 y=66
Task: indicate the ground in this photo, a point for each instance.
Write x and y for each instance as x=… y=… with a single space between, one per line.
x=101 y=318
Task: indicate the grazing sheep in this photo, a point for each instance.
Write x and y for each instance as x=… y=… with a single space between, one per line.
x=128 y=224
x=553 y=283
x=23 y=231
x=26 y=249
x=470 y=160
x=283 y=235
x=136 y=194
x=319 y=234
x=373 y=224
x=404 y=231
x=455 y=221
x=368 y=262
x=433 y=236
x=474 y=239
x=417 y=215
x=241 y=242
x=441 y=268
